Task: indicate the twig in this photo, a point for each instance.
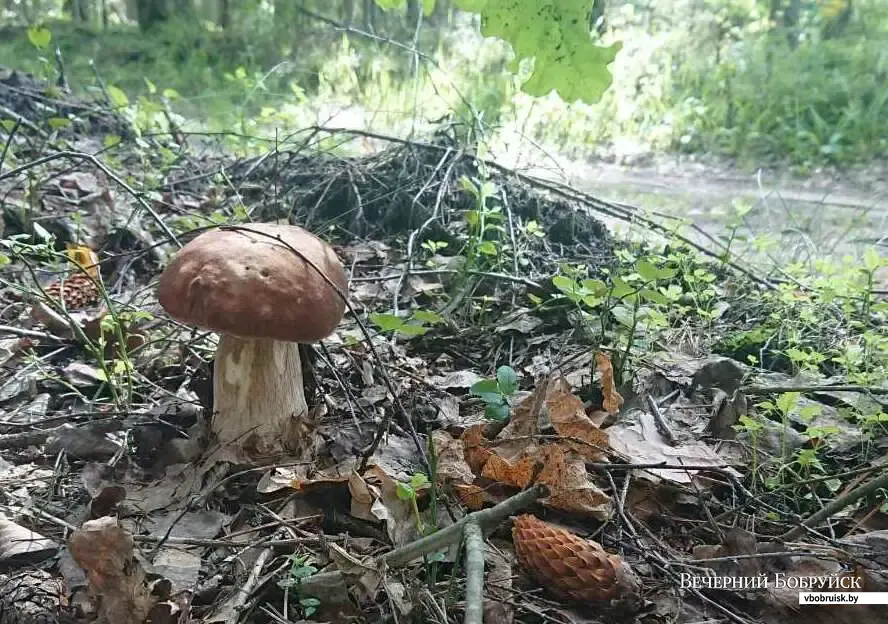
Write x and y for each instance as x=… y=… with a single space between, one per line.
x=474 y=573
x=499 y=276
x=660 y=420
x=487 y=519
x=30 y=333
x=8 y=143
x=759 y=390
x=243 y=593
x=836 y=506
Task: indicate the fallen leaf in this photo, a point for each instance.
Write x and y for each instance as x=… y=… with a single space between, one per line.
x=461 y=379
x=106 y=552
x=569 y=419
x=472 y=496
x=571 y=489
x=612 y=398
x=22 y=546
x=636 y=437
x=519 y=474
x=451 y=462
x=475 y=448
x=518 y=437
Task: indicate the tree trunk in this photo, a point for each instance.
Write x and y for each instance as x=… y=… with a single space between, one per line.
x=152 y=13
x=260 y=413
x=225 y=14
x=597 y=21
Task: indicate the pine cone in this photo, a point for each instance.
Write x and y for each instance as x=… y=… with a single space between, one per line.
x=76 y=291
x=569 y=566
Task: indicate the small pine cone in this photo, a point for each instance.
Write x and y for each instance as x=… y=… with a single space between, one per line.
x=76 y=291
x=569 y=566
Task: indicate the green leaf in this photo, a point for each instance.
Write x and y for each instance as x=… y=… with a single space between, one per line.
x=117 y=96
x=564 y=284
x=507 y=379
x=411 y=329
x=171 y=94
x=653 y=296
x=387 y=5
x=426 y=316
x=485 y=386
x=58 y=122
x=111 y=140
x=152 y=88
x=404 y=491
x=556 y=34
x=833 y=485
x=4 y=260
x=595 y=286
x=42 y=232
x=647 y=271
x=592 y=301
x=621 y=288
x=418 y=480
x=386 y=322
x=428 y=7
x=497 y=412
x=787 y=401
x=39 y=37
x=488 y=248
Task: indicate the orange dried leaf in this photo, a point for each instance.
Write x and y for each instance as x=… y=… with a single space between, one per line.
x=471 y=496
x=519 y=474
x=612 y=398
x=571 y=488
x=569 y=419
x=517 y=438
x=84 y=257
x=475 y=449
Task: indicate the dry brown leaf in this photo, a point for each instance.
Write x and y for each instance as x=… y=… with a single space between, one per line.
x=475 y=449
x=612 y=398
x=106 y=552
x=451 y=462
x=471 y=496
x=517 y=438
x=519 y=474
x=571 y=488
x=569 y=419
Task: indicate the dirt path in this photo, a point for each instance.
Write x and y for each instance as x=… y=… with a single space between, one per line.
x=830 y=213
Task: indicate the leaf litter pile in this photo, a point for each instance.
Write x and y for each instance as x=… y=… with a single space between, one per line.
x=472 y=451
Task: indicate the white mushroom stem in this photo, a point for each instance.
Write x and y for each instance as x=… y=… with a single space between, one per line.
x=259 y=398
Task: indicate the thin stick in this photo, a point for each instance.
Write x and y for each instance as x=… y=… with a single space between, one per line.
x=474 y=573
x=758 y=390
x=836 y=506
x=487 y=519
x=243 y=593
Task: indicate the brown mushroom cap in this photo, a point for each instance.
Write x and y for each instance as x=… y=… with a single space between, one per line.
x=252 y=286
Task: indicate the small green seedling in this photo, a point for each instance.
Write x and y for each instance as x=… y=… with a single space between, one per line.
x=406 y=491
x=496 y=392
x=415 y=325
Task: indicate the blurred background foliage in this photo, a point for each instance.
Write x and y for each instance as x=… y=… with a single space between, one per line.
x=798 y=82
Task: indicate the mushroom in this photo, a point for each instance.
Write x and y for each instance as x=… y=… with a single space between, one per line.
x=263 y=299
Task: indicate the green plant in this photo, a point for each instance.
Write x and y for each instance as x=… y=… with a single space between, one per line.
x=406 y=491
x=555 y=34
x=628 y=301
x=300 y=569
x=416 y=324
x=495 y=393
